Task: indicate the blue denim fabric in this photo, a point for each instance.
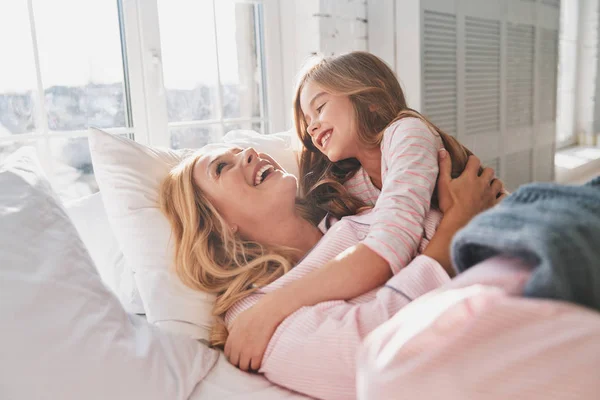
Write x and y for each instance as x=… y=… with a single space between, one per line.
x=554 y=228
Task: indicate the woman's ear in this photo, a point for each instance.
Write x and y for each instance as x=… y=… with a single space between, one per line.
x=234 y=228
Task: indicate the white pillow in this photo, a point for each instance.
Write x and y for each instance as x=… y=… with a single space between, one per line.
x=64 y=334
x=129 y=175
x=90 y=219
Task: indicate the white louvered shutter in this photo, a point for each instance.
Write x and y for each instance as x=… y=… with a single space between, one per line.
x=439 y=69
x=489 y=78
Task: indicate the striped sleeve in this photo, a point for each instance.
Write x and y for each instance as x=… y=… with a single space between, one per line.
x=409 y=171
x=314 y=350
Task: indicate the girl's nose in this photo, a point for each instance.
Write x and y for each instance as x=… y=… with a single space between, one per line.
x=311 y=129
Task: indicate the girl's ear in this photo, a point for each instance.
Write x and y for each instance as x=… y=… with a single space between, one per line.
x=234 y=228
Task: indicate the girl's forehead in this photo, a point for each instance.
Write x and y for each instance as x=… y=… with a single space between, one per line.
x=309 y=94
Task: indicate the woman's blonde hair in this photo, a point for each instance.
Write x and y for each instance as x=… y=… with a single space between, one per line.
x=378 y=101
x=210 y=257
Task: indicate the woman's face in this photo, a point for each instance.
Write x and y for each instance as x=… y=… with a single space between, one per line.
x=250 y=190
x=331 y=122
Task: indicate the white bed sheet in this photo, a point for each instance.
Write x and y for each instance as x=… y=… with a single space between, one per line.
x=225 y=382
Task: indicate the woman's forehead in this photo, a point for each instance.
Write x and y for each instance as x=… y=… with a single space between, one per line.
x=217 y=149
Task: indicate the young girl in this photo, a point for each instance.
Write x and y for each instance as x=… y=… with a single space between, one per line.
x=363 y=148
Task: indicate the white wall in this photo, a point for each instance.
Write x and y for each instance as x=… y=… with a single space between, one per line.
x=325 y=27
x=567 y=78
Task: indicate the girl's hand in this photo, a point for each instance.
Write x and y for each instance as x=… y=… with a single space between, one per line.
x=250 y=334
x=470 y=193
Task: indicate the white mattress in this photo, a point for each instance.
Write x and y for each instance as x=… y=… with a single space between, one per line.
x=225 y=382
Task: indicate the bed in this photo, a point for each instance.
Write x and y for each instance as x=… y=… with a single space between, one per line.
x=75 y=325
x=65 y=333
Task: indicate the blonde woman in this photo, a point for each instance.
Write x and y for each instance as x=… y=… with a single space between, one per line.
x=238 y=229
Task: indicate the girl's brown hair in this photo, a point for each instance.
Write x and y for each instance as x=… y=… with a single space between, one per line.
x=378 y=101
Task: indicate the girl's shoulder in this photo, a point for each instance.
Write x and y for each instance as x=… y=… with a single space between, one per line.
x=408 y=126
x=408 y=123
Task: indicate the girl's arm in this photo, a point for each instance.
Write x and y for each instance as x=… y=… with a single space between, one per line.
x=410 y=152
x=410 y=156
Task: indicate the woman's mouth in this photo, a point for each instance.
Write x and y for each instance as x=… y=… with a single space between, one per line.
x=263 y=173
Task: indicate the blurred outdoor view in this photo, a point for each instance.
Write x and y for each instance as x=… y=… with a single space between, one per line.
x=83 y=81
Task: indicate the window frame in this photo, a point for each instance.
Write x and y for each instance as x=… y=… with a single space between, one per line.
x=42 y=135
x=144 y=63
x=146 y=106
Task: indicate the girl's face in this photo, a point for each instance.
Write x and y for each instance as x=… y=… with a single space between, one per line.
x=331 y=122
x=249 y=189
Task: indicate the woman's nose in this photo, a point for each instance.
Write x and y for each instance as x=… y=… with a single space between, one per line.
x=249 y=155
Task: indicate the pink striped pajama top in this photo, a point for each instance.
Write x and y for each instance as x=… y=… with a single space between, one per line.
x=409 y=171
x=494 y=346
x=314 y=350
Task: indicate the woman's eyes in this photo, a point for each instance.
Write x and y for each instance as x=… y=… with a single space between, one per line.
x=220 y=167
x=320 y=107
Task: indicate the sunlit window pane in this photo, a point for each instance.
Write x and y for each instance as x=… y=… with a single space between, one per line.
x=17 y=70
x=9 y=147
x=189 y=59
x=239 y=55
x=248 y=125
x=258 y=127
x=73 y=175
x=81 y=63
x=195 y=137
x=72 y=169
x=191 y=68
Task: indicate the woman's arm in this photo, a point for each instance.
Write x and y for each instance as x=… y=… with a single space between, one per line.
x=460 y=200
x=354 y=272
x=340 y=279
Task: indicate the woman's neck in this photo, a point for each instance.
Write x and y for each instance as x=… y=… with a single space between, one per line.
x=299 y=234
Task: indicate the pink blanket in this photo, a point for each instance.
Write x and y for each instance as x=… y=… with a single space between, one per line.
x=474 y=339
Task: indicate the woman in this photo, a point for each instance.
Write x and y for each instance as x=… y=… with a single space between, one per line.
x=238 y=226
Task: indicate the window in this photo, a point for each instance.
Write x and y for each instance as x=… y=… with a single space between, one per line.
x=212 y=69
x=176 y=73
x=567 y=75
x=54 y=84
